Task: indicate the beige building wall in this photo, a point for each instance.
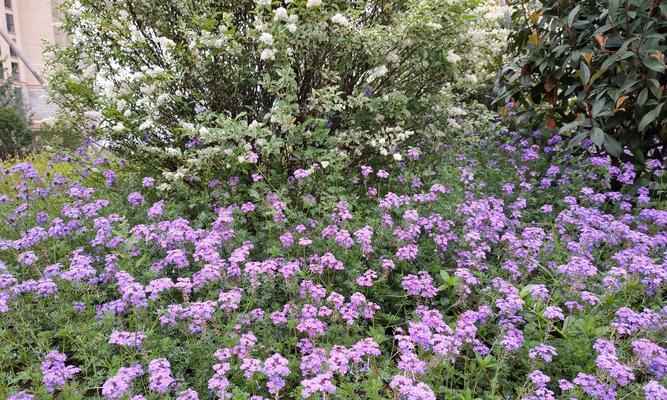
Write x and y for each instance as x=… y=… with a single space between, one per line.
x=29 y=23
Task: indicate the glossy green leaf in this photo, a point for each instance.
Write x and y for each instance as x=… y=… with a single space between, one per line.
x=650 y=117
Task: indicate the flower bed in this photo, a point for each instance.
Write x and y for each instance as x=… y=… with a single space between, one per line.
x=479 y=274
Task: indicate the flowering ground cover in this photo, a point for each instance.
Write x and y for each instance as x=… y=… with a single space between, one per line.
x=494 y=271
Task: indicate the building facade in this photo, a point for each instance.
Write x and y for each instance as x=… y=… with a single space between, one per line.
x=29 y=23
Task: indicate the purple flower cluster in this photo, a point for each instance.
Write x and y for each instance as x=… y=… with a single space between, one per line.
x=54 y=371
x=128 y=339
x=159 y=377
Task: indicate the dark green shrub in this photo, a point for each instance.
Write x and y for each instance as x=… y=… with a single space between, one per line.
x=15 y=132
x=594 y=68
x=60 y=134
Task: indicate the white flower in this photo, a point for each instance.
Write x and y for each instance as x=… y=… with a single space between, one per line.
x=75 y=11
x=91 y=115
x=263 y=2
x=119 y=127
x=268 y=54
x=434 y=26
x=313 y=3
x=266 y=38
x=398 y=157
x=452 y=122
x=164 y=187
x=163 y=98
x=377 y=73
x=146 y=125
x=453 y=57
x=340 y=20
x=291 y=27
x=325 y=164
x=280 y=13
x=90 y=71
x=457 y=111
x=393 y=58
x=471 y=78
x=203 y=131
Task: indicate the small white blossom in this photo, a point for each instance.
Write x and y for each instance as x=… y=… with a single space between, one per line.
x=340 y=20
x=146 y=125
x=313 y=3
x=398 y=157
x=164 y=187
x=268 y=54
x=280 y=13
x=377 y=73
x=452 y=122
x=266 y=38
x=453 y=57
x=393 y=58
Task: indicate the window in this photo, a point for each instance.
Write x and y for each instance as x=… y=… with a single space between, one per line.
x=8 y=3
x=12 y=53
x=15 y=71
x=10 y=23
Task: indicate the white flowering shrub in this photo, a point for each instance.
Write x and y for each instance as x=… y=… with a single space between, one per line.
x=214 y=87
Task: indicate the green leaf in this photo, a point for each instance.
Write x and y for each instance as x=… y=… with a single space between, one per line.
x=612 y=146
x=585 y=73
x=577 y=139
x=444 y=275
x=597 y=136
x=598 y=106
x=573 y=14
x=568 y=127
x=643 y=96
x=650 y=117
x=653 y=63
x=597 y=74
x=525 y=291
x=613 y=9
x=609 y=61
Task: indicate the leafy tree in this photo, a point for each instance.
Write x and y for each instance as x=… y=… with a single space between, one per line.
x=203 y=87
x=15 y=131
x=595 y=68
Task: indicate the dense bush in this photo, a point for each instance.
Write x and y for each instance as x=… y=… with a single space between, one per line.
x=199 y=88
x=593 y=68
x=15 y=131
x=59 y=133
x=483 y=273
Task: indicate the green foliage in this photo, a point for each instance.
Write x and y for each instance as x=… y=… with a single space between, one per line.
x=193 y=87
x=596 y=68
x=59 y=134
x=15 y=131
